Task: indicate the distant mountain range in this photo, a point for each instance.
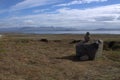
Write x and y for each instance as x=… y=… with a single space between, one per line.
x=104 y=29
x=34 y=29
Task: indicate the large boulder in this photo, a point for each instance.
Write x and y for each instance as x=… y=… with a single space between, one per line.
x=0 y=35
x=89 y=50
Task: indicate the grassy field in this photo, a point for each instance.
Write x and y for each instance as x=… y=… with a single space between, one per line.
x=26 y=57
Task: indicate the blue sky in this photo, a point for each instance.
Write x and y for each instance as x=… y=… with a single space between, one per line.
x=60 y=13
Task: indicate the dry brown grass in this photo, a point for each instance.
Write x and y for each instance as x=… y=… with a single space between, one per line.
x=25 y=57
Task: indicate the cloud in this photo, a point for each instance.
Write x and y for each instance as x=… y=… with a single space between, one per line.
x=105 y=16
x=118 y=18
x=29 y=22
x=80 y=2
x=40 y=10
x=32 y=3
x=92 y=14
x=3 y=11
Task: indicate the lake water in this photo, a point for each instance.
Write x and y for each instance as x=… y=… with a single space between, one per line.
x=73 y=32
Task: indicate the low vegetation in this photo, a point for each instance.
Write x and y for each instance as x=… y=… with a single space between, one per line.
x=50 y=57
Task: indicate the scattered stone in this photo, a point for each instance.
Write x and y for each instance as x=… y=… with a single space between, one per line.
x=44 y=40
x=75 y=41
x=111 y=44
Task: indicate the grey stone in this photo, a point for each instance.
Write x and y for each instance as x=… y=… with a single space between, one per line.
x=100 y=49
x=89 y=50
x=0 y=35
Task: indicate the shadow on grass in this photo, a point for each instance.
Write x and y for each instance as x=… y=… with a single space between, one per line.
x=72 y=58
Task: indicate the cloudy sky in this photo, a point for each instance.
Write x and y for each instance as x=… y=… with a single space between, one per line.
x=60 y=13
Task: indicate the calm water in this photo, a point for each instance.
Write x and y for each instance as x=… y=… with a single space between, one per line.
x=74 y=32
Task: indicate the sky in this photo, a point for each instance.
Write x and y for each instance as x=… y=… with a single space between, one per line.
x=85 y=14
